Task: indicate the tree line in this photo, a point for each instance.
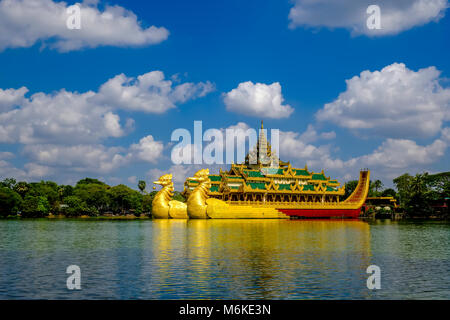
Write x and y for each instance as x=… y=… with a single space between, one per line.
x=416 y=195
x=89 y=197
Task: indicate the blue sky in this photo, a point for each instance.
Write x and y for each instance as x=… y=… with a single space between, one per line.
x=216 y=46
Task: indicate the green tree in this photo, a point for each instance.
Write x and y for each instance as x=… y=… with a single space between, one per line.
x=142 y=185
x=178 y=196
x=403 y=185
x=35 y=206
x=389 y=193
x=350 y=186
x=10 y=201
x=8 y=183
x=89 y=181
x=22 y=188
x=125 y=199
x=415 y=194
x=377 y=184
x=147 y=201
x=46 y=189
x=65 y=191
x=75 y=207
x=94 y=195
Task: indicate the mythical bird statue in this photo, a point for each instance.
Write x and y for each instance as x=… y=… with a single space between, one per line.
x=163 y=206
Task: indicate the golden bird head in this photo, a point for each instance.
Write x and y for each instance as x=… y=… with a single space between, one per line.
x=201 y=175
x=164 y=180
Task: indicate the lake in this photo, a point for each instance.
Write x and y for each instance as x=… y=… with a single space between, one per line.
x=224 y=259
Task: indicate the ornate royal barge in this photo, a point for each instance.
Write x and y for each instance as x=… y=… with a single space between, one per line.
x=257 y=189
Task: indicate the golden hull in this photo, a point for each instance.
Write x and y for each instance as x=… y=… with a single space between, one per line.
x=218 y=209
x=160 y=213
x=197 y=212
x=177 y=210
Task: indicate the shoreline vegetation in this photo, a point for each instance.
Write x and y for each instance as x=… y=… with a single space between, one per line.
x=423 y=196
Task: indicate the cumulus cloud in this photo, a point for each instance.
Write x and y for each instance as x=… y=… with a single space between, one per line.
x=78 y=158
x=150 y=92
x=394 y=102
x=94 y=158
x=402 y=153
x=148 y=149
x=29 y=171
x=390 y=159
x=258 y=99
x=11 y=98
x=311 y=135
x=6 y=155
x=74 y=118
x=25 y=22
x=61 y=117
x=296 y=146
x=396 y=16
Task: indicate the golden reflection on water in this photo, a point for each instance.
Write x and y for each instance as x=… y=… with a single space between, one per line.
x=261 y=256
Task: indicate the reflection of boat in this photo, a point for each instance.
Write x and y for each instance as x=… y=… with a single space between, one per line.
x=273 y=259
x=259 y=190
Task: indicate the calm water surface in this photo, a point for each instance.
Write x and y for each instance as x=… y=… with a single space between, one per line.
x=224 y=259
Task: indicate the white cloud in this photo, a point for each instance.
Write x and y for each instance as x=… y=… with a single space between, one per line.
x=394 y=102
x=396 y=16
x=402 y=153
x=258 y=99
x=6 y=155
x=147 y=149
x=73 y=118
x=95 y=158
x=78 y=158
x=11 y=98
x=62 y=117
x=25 y=22
x=391 y=159
x=150 y=92
x=29 y=172
x=297 y=147
x=311 y=135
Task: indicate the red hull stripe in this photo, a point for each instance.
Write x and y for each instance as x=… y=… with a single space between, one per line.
x=322 y=213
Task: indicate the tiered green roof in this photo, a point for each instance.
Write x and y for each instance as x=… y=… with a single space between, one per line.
x=214 y=177
x=254 y=174
x=257 y=185
x=301 y=172
x=308 y=187
x=284 y=187
x=318 y=176
x=214 y=188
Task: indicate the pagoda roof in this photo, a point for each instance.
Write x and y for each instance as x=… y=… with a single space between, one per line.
x=215 y=177
x=318 y=176
x=257 y=185
x=301 y=172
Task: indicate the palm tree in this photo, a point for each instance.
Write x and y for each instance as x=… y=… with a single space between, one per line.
x=377 y=185
x=142 y=185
